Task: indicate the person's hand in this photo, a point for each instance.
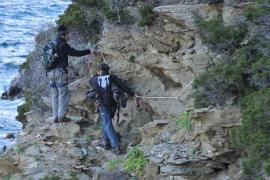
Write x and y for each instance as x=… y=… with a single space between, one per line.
x=136 y=97
x=89 y=64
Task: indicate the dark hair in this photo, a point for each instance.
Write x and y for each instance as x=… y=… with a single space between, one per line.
x=62 y=30
x=104 y=67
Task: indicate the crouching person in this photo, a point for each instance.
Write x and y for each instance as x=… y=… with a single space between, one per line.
x=109 y=90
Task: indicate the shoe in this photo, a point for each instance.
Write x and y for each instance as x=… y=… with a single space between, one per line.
x=117 y=151
x=106 y=146
x=64 y=119
x=55 y=120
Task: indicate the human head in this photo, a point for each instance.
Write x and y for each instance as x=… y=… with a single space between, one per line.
x=62 y=31
x=103 y=68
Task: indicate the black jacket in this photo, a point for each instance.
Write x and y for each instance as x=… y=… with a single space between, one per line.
x=64 y=50
x=114 y=80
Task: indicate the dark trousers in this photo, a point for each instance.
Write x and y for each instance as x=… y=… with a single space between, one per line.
x=109 y=132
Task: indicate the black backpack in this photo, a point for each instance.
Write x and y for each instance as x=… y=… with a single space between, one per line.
x=50 y=56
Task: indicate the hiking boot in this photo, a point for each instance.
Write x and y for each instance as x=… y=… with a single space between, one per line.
x=64 y=119
x=117 y=151
x=55 y=120
x=106 y=147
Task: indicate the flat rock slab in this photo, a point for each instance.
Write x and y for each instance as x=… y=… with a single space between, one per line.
x=183 y=160
x=101 y=174
x=205 y=119
x=65 y=130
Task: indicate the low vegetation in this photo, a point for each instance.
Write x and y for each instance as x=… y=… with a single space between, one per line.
x=22 y=109
x=243 y=74
x=72 y=176
x=132 y=59
x=114 y=164
x=184 y=121
x=147 y=16
x=134 y=162
x=217 y=36
x=254 y=11
x=73 y=16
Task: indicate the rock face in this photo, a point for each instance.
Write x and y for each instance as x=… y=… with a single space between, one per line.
x=204 y=155
x=156 y=61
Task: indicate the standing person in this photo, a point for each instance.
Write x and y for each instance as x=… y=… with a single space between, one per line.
x=108 y=90
x=58 y=75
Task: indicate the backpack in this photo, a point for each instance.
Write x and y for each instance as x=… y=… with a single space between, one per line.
x=50 y=56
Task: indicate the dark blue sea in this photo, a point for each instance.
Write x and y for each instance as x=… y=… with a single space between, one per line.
x=20 y=20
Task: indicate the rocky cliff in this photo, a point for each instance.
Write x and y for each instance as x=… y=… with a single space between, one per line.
x=160 y=60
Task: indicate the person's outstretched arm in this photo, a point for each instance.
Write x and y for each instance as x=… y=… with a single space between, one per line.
x=74 y=52
x=122 y=85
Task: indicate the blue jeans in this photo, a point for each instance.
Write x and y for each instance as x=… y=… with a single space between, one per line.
x=109 y=133
x=59 y=92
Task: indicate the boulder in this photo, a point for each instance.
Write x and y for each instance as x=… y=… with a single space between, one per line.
x=233 y=15
x=211 y=129
x=9 y=136
x=150 y=130
x=75 y=153
x=101 y=174
x=184 y=160
x=206 y=119
x=78 y=91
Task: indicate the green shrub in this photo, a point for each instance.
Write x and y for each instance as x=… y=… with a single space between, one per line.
x=184 y=120
x=253 y=136
x=135 y=161
x=147 y=16
x=217 y=36
x=24 y=107
x=89 y=138
x=216 y=85
x=244 y=74
x=257 y=10
x=114 y=164
x=132 y=59
x=24 y=65
x=18 y=150
x=73 y=17
x=241 y=73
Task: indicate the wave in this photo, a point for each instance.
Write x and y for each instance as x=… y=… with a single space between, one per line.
x=6 y=44
x=11 y=65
